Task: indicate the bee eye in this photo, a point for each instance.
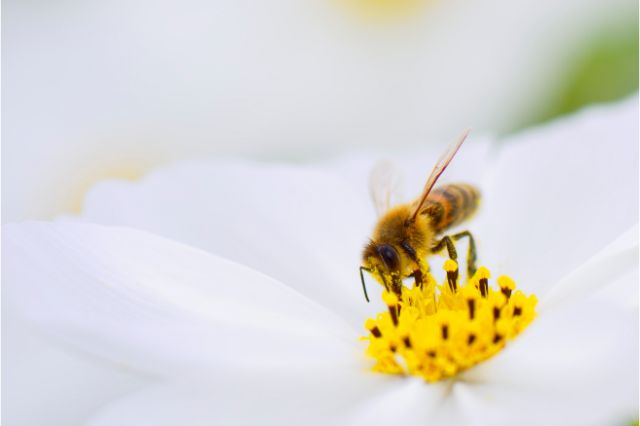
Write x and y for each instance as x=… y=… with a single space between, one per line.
x=389 y=256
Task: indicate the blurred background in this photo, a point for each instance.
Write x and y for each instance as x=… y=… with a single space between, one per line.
x=111 y=89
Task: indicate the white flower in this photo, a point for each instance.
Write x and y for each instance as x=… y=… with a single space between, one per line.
x=227 y=344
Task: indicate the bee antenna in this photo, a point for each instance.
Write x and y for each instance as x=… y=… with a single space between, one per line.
x=364 y=287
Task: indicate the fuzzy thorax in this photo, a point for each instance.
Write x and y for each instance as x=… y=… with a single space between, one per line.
x=406 y=243
x=436 y=331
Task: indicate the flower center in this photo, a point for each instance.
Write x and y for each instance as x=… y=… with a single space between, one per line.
x=436 y=331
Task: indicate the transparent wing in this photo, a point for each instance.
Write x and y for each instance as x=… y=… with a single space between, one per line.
x=385 y=181
x=439 y=168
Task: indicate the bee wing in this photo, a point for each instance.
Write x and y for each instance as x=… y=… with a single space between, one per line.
x=384 y=183
x=438 y=169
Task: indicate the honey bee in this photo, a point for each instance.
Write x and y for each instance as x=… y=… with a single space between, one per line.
x=408 y=233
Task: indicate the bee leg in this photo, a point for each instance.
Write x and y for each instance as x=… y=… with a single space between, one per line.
x=396 y=286
x=446 y=241
x=453 y=254
x=384 y=280
x=418 y=277
x=471 y=252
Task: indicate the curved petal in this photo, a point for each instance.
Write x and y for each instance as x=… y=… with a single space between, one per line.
x=561 y=192
x=406 y=401
x=300 y=225
x=37 y=373
x=303 y=225
x=312 y=397
x=161 y=306
x=577 y=365
x=604 y=270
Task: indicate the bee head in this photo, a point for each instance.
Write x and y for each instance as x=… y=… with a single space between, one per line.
x=383 y=257
x=389 y=257
x=384 y=263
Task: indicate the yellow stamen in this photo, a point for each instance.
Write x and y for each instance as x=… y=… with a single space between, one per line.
x=437 y=331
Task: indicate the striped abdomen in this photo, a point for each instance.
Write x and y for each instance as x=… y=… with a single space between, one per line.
x=449 y=205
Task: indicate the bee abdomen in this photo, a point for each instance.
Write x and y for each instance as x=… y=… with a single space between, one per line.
x=451 y=204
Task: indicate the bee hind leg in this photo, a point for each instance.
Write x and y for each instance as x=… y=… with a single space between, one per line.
x=448 y=242
x=472 y=256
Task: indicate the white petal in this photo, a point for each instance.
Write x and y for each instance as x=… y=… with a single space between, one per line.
x=161 y=306
x=562 y=192
x=622 y=292
x=296 y=397
x=604 y=269
x=36 y=373
x=406 y=401
x=577 y=365
x=304 y=226
x=300 y=225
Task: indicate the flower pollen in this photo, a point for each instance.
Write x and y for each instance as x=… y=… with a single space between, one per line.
x=436 y=331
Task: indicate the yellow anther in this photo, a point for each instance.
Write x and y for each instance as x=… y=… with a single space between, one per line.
x=481 y=273
x=518 y=298
x=497 y=299
x=469 y=292
x=506 y=282
x=389 y=298
x=445 y=317
x=369 y=324
x=435 y=334
x=450 y=265
x=452 y=274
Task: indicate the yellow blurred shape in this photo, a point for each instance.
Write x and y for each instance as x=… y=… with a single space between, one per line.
x=385 y=11
x=78 y=193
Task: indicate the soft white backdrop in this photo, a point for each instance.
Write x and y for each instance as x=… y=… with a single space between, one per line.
x=114 y=88
x=94 y=90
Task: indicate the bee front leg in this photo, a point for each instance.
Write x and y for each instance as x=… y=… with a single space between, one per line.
x=396 y=286
x=448 y=242
x=418 y=277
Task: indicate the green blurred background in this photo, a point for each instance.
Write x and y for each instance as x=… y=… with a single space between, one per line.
x=604 y=68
